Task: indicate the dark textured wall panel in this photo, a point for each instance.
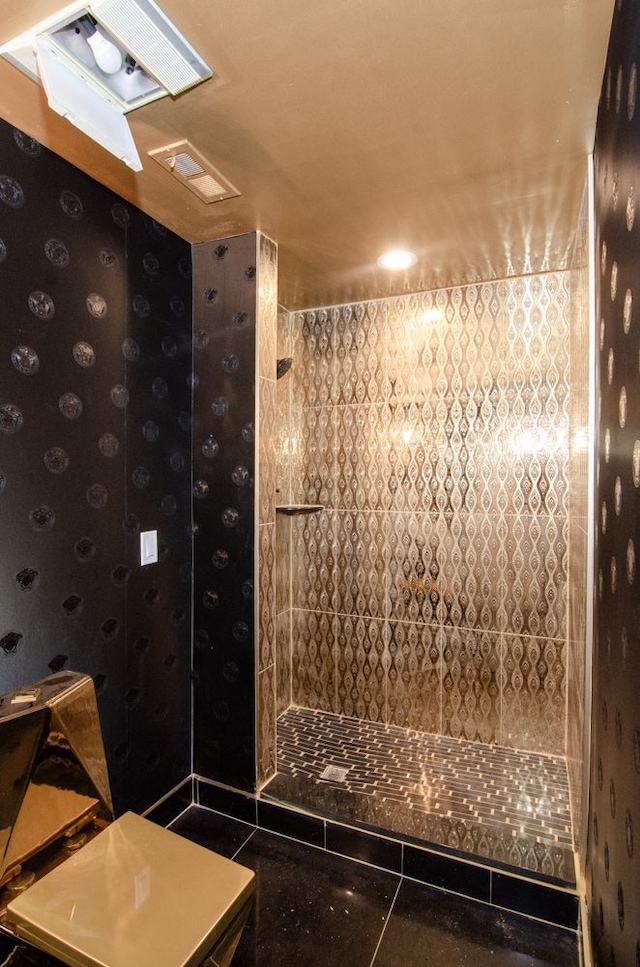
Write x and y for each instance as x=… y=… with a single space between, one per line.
x=224 y=322
x=614 y=827
x=95 y=397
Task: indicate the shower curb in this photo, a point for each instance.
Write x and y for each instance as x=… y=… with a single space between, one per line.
x=485 y=882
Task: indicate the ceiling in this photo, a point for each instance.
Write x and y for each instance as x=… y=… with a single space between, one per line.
x=459 y=130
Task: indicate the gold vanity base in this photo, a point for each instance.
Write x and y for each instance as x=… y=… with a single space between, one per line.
x=137 y=894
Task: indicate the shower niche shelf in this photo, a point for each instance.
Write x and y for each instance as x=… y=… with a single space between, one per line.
x=295 y=510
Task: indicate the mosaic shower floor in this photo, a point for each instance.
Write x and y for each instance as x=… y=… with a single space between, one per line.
x=503 y=805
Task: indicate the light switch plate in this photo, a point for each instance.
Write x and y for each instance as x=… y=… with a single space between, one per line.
x=148 y=547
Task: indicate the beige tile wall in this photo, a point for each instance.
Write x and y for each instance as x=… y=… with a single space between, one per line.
x=580 y=447
x=266 y=419
x=431 y=591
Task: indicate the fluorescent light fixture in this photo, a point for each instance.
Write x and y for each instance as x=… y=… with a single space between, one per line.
x=99 y=60
x=397 y=260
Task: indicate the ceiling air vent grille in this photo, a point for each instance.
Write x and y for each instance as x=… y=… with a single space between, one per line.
x=194 y=171
x=208 y=187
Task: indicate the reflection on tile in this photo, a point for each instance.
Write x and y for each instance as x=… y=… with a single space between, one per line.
x=283 y=563
x=313 y=661
x=361 y=481
x=484 y=800
x=361 y=675
x=536 y=576
x=283 y=662
x=314 y=348
x=266 y=724
x=471 y=685
x=266 y=594
x=267 y=464
x=314 y=551
x=413 y=569
x=359 y=345
x=360 y=565
x=267 y=310
x=429 y=928
x=314 y=436
x=534 y=693
x=414 y=676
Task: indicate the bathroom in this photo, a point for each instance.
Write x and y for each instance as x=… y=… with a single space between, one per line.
x=128 y=407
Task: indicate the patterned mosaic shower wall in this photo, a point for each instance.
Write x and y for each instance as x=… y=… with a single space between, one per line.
x=580 y=447
x=284 y=478
x=267 y=341
x=614 y=827
x=95 y=446
x=431 y=591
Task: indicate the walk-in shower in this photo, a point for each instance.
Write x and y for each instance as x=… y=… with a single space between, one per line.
x=425 y=674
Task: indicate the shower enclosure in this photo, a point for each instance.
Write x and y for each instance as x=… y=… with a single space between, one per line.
x=430 y=617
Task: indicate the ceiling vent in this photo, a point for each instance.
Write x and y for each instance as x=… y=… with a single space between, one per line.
x=194 y=171
x=99 y=60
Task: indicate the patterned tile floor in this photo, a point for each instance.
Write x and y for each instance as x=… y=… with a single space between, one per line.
x=489 y=801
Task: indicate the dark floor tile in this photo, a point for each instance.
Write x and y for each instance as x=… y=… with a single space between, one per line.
x=173 y=805
x=430 y=928
x=447 y=873
x=385 y=853
x=289 y=822
x=214 y=831
x=534 y=900
x=311 y=909
x=17 y=954
x=235 y=804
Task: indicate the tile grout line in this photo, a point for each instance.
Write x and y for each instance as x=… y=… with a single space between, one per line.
x=242 y=846
x=386 y=922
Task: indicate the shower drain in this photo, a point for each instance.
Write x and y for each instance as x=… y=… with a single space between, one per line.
x=334 y=773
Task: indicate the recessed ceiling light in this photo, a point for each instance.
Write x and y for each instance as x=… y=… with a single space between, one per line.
x=397 y=259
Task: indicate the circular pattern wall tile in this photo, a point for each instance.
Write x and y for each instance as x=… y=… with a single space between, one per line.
x=27 y=145
x=97 y=305
x=56 y=460
x=25 y=360
x=11 y=192
x=41 y=305
x=71 y=204
x=70 y=405
x=57 y=253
